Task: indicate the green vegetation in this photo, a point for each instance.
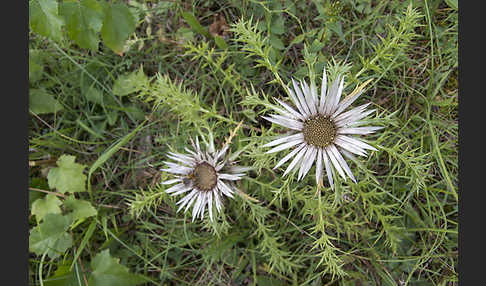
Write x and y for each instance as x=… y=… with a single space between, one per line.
x=115 y=84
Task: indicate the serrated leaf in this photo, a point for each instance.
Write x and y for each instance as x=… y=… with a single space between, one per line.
x=94 y=95
x=130 y=83
x=453 y=4
x=118 y=24
x=444 y=102
x=51 y=236
x=35 y=71
x=68 y=177
x=84 y=20
x=35 y=66
x=107 y=271
x=41 y=102
x=338 y=29
x=316 y=46
x=80 y=208
x=44 y=18
x=219 y=248
x=135 y=111
x=194 y=23
x=47 y=205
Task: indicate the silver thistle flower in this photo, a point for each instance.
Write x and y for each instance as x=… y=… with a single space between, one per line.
x=321 y=129
x=207 y=176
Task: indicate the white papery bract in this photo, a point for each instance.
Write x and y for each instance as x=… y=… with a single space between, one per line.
x=321 y=130
x=204 y=177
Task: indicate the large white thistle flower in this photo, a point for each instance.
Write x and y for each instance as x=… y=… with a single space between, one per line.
x=204 y=176
x=321 y=130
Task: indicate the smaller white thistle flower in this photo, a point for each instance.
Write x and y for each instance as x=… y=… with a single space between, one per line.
x=321 y=129
x=205 y=176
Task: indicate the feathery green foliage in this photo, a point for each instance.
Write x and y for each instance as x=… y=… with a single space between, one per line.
x=167 y=71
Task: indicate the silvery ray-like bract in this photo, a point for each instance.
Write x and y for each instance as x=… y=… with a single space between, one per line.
x=321 y=129
x=204 y=177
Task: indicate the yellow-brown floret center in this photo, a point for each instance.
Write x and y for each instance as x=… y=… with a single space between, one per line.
x=319 y=131
x=204 y=177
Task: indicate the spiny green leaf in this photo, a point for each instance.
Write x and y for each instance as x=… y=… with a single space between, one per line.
x=107 y=271
x=44 y=18
x=219 y=248
x=316 y=46
x=80 y=208
x=84 y=20
x=118 y=24
x=51 y=236
x=43 y=206
x=130 y=83
x=94 y=95
x=41 y=102
x=68 y=177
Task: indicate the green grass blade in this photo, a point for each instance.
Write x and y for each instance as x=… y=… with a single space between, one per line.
x=83 y=243
x=108 y=153
x=194 y=23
